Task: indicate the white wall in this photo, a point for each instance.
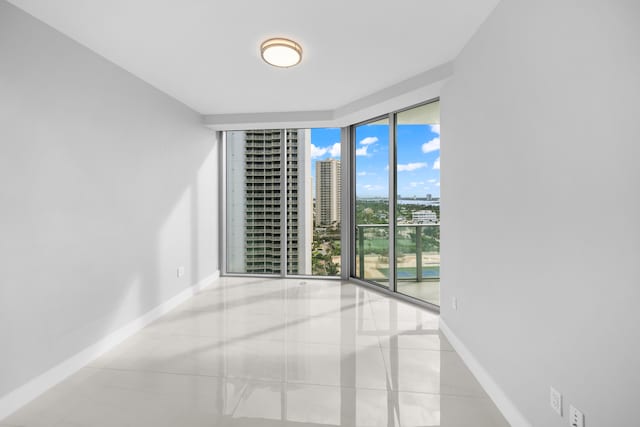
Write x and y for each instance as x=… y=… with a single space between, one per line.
x=106 y=186
x=541 y=205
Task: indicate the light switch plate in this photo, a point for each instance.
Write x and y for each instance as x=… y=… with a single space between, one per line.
x=555 y=400
x=576 y=418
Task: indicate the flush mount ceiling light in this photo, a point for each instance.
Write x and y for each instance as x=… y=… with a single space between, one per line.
x=281 y=52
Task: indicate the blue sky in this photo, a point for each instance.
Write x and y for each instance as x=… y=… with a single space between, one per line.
x=418 y=158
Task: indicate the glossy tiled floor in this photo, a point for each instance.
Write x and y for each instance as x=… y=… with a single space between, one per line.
x=265 y=352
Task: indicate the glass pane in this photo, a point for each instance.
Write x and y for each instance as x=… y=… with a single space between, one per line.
x=254 y=210
x=299 y=201
x=372 y=202
x=313 y=192
x=418 y=202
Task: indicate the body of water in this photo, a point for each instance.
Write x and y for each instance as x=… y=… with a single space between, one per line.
x=428 y=272
x=419 y=202
x=406 y=201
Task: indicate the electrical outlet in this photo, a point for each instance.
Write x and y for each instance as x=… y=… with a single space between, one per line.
x=454 y=303
x=576 y=418
x=180 y=272
x=555 y=400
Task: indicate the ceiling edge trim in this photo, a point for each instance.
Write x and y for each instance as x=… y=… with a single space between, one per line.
x=265 y=120
x=416 y=89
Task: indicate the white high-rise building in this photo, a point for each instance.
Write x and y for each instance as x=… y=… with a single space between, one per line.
x=254 y=199
x=328 y=192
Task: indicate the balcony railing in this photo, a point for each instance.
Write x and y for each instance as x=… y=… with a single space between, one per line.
x=417 y=252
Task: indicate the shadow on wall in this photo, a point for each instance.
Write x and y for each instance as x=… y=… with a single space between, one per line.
x=106 y=186
x=98 y=244
x=175 y=227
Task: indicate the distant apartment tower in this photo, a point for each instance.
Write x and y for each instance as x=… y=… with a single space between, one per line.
x=254 y=195
x=424 y=217
x=328 y=192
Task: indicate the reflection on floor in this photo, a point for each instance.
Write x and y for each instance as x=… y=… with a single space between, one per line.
x=428 y=290
x=267 y=352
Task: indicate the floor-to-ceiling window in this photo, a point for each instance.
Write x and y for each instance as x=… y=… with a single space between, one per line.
x=276 y=177
x=284 y=202
x=324 y=147
x=253 y=198
x=396 y=230
x=371 y=154
x=417 y=243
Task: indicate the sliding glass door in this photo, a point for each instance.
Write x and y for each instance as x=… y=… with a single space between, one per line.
x=396 y=213
x=371 y=153
x=417 y=237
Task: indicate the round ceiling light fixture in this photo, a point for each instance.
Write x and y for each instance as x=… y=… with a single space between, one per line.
x=281 y=52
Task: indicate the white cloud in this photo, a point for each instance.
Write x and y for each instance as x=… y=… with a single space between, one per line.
x=433 y=145
x=317 y=151
x=435 y=129
x=431 y=181
x=436 y=164
x=415 y=184
x=333 y=150
x=369 y=140
x=372 y=187
x=362 y=151
x=437 y=184
x=411 y=166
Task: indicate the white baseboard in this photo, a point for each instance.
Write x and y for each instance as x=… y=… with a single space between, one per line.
x=19 y=397
x=499 y=397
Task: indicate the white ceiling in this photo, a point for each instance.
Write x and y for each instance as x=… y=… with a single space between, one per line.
x=205 y=53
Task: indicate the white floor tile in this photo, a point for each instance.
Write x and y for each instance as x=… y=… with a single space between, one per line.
x=272 y=352
x=422 y=410
x=409 y=335
x=427 y=371
x=327 y=364
x=333 y=330
x=313 y=405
